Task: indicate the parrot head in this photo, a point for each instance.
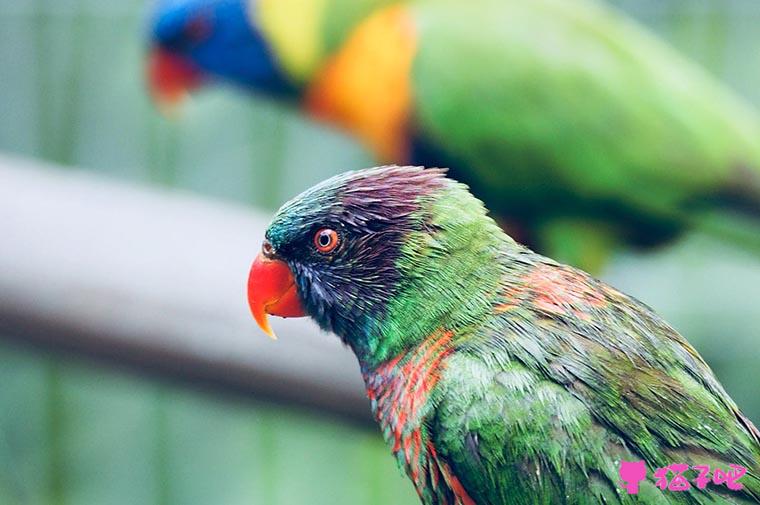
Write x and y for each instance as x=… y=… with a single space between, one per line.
x=195 y=40
x=370 y=252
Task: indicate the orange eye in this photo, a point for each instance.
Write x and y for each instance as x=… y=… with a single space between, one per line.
x=198 y=29
x=326 y=240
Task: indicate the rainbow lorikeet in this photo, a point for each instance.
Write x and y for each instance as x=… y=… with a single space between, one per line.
x=497 y=375
x=579 y=129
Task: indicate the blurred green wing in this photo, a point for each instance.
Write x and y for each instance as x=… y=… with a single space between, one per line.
x=569 y=104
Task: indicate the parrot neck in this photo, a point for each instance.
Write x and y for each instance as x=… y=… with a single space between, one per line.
x=450 y=277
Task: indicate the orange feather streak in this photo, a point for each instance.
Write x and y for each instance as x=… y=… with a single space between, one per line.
x=365 y=87
x=399 y=389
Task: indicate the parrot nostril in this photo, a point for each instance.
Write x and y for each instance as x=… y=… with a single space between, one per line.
x=267 y=249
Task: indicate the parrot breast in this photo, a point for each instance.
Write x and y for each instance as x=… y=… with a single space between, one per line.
x=399 y=391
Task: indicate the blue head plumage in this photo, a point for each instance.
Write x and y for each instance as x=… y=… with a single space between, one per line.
x=216 y=38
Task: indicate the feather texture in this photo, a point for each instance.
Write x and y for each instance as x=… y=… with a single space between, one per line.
x=496 y=374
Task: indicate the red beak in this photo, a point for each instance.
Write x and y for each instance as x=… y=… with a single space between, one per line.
x=171 y=77
x=272 y=290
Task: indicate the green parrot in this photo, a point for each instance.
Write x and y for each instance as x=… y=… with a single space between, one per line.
x=498 y=376
x=580 y=130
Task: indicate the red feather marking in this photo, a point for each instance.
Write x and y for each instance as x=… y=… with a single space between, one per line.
x=399 y=390
x=460 y=494
x=512 y=295
x=418 y=470
x=558 y=288
x=555 y=290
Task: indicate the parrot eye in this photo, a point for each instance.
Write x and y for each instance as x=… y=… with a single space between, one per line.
x=326 y=240
x=197 y=29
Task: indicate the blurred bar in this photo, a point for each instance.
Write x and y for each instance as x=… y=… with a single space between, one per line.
x=154 y=279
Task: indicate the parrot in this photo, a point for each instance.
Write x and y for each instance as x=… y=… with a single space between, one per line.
x=496 y=375
x=582 y=132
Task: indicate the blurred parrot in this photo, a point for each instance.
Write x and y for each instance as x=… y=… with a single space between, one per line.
x=579 y=129
x=497 y=375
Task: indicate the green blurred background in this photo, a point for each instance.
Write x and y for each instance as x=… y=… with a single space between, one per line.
x=74 y=431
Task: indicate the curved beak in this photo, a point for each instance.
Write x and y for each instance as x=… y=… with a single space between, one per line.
x=171 y=77
x=272 y=290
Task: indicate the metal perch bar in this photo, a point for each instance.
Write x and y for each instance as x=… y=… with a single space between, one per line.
x=154 y=278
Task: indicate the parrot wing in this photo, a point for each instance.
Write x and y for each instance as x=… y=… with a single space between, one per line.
x=571 y=378
x=570 y=107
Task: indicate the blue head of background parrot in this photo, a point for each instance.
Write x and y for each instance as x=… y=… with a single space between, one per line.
x=193 y=40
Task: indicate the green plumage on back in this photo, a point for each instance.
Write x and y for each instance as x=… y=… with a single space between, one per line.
x=497 y=375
